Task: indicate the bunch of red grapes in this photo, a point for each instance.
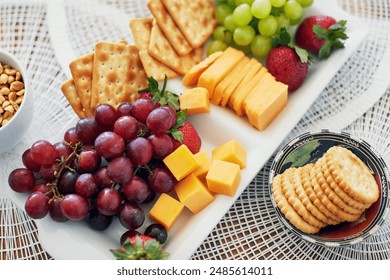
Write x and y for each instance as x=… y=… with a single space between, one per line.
x=106 y=166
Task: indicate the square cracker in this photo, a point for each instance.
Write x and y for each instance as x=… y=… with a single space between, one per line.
x=195 y=19
x=169 y=28
x=141 y=30
x=81 y=69
x=69 y=90
x=118 y=74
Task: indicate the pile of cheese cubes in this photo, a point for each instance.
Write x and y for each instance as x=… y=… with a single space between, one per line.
x=199 y=179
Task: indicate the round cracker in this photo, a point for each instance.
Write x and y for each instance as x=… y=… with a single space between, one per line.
x=330 y=193
x=352 y=175
x=286 y=208
x=343 y=195
x=293 y=199
x=302 y=195
x=344 y=216
x=307 y=185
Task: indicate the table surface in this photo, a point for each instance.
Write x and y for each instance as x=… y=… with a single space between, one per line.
x=356 y=100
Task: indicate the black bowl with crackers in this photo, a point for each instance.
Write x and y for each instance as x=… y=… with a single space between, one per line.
x=330 y=188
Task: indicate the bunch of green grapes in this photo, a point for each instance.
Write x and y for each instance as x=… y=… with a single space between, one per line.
x=250 y=24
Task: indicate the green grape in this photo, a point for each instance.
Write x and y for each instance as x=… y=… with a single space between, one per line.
x=222 y=11
x=292 y=9
x=261 y=8
x=242 y=15
x=295 y=21
x=278 y=3
x=229 y=23
x=219 y=33
x=268 y=26
x=283 y=21
x=243 y=35
x=246 y=49
x=239 y=2
x=228 y=39
x=231 y=3
x=261 y=46
x=305 y=3
x=216 y=46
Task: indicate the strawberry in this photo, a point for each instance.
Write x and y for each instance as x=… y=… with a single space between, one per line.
x=320 y=34
x=140 y=247
x=190 y=138
x=287 y=62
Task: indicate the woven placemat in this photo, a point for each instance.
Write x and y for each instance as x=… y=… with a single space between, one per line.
x=46 y=36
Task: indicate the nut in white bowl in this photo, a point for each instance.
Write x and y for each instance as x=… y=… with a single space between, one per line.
x=16 y=101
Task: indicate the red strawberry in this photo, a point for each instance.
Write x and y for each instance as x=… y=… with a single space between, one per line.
x=140 y=247
x=319 y=34
x=190 y=138
x=287 y=67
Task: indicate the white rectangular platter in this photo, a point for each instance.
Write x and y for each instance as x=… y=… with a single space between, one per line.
x=75 y=240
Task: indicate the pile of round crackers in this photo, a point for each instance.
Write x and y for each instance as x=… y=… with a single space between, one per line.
x=337 y=188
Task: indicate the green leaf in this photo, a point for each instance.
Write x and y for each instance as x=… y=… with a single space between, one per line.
x=177 y=134
x=180 y=118
x=282 y=38
x=325 y=50
x=173 y=100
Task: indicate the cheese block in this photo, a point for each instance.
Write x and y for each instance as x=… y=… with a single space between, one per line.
x=223 y=177
x=192 y=76
x=264 y=84
x=241 y=93
x=237 y=80
x=195 y=101
x=268 y=105
x=231 y=151
x=204 y=164
x=230 y=78
x=193 y=194
x=219 y=69
x=166 y=210
x=181 y=162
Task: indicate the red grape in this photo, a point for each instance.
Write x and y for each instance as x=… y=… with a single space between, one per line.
x=159 y=121
x=21 y=180
x=37 y=205
x=127 y=234
x=74 y=207
x=109 y=145
x=29 y=163
x=70 y=136
x=136 y=190
x=139 y=151
x=102 y=178
x=66 y=182
x=64 y=150
x=126 y=127
x=48 y=172
x=157 y=231
x=131 y=216
x=108 y=201
x=43 y=152
x=86 y=185
x=141 y=108
x=172 y=113
x=97 y=220
x=87 y=130
x=44 y=189
x=106 y=115
x=162 y=180
x=162 y=145
x=89 y=160
x=124 y=109
x=55 y=211
x=120 y=170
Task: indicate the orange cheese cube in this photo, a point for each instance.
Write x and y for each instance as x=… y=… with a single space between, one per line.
x=195 y=101
x=193 y=194
x=231 y=151
x=181 y=162
x=219 y=69
x=192 y=76
x=166 y=210
x=223 y=177
x=204 y=164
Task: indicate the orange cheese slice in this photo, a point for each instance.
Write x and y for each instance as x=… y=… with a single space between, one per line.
x=231 y=151
x=223 y=177
x=192 y=76
x=219 y=69
x=230 y=78
x=166 y=210
x=195 y=101
x=267 y=81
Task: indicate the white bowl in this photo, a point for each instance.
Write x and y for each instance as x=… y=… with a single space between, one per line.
x=11 y=133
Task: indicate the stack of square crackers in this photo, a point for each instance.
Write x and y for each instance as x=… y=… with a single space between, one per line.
x=337 y=188
x=169 y=44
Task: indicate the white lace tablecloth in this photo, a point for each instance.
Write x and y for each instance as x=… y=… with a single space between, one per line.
x=47 y=35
